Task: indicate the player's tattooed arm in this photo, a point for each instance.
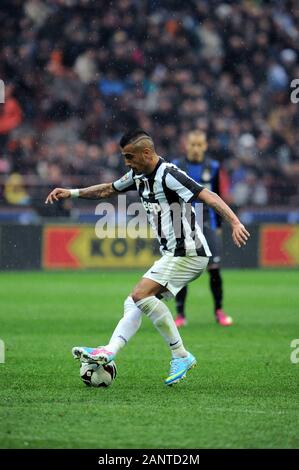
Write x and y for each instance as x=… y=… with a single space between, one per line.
x=239 y=233
x=98 y=191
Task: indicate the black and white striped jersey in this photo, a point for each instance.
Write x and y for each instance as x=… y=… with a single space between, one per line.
x=166 y=195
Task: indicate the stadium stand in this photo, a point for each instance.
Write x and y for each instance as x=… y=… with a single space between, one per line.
x=77 y=73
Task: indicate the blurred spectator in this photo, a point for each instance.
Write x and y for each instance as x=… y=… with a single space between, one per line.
x=37 y=12
x=14 y=190
x=86 y=67
x=249 y=191
x=10 y=115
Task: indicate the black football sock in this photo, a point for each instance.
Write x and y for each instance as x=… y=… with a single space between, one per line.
x=180 y=301
x=216 y=287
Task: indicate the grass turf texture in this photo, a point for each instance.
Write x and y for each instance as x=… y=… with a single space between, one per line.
x=243 y=394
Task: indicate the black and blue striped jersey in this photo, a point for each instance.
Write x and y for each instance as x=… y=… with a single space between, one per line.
x=206 y=173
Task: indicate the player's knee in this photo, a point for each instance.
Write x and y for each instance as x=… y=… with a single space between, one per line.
x=145 y=289
x=138 y=294
x=213 y=267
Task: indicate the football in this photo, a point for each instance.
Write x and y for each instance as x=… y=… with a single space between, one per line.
x=94 y=375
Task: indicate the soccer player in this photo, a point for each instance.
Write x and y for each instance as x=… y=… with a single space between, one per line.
x=205 y=171
x=185 y=252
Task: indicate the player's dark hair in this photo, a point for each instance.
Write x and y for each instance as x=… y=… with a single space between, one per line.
x=132 y=135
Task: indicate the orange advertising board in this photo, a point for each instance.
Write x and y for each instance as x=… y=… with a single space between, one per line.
x=75 y=247
x=279 y=245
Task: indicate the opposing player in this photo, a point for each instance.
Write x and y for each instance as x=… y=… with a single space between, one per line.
x=205 y=171
x=185 y=252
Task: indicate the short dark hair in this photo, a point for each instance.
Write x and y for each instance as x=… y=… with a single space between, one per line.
x=132 y=135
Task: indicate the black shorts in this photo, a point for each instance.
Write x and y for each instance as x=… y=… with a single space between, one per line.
x=214 y=242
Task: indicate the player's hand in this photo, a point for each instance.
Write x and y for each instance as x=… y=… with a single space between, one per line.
x=240 y=234
x=57 y=194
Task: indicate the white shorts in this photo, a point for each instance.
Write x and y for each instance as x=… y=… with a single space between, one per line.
x=174 y=272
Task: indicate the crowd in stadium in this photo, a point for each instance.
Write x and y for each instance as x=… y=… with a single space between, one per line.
x=78 y=73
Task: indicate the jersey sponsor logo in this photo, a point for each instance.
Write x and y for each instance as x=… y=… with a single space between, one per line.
x=151 y=206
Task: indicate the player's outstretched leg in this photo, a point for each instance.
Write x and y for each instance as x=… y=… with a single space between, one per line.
x=161 y=317
x=180 y=301
x=123 y=332
x=216 y=287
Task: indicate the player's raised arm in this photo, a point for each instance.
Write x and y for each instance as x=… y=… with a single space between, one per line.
x=239 y=233
x=98 y=191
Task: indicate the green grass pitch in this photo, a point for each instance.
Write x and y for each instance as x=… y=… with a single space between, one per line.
x=243 y=394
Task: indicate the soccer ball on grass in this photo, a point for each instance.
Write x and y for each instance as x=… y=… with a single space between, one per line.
x=94 y=375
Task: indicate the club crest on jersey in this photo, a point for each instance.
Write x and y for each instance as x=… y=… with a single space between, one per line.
x=125 y=178
x=206 y=176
